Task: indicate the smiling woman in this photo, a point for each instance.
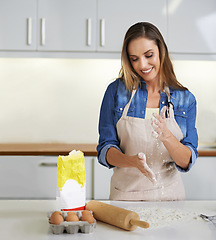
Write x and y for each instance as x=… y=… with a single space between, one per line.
x=147 y=154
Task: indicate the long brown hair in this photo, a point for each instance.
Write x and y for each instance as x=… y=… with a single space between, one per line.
x=127 y=73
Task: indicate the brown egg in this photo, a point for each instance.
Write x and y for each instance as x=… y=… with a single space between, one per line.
x=56 y=218
x=84 y=212
x=72 y=217
x=88 y=217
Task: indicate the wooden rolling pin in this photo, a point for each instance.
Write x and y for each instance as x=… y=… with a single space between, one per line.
x=116 y=216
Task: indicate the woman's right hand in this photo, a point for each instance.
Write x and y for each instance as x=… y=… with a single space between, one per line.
x=118 y=159
x=144 y=168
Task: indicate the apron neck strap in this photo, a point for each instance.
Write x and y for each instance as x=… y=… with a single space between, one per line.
x=170 y=107
x=128 y=104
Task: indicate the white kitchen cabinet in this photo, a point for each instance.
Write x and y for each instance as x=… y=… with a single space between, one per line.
x=67 y=25
x=48 y=25
x=27 y=177
x=115 y=17
x=71 y=25
x=18 y=25
x=96 y=28
x=191 y=26
x=74 y=26
x=102 y=177
x=34 y=177
x=200 y=180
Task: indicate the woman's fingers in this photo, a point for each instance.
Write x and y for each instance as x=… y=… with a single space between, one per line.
x=158 y=123
x=145 y=169
x=155 y=124
x=163 y=111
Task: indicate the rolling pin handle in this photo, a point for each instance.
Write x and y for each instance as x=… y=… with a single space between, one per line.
x=139 y=223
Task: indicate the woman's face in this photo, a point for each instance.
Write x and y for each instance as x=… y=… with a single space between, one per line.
x=144 y=57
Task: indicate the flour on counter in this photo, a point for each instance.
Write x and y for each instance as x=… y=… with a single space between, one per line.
x=161 y=217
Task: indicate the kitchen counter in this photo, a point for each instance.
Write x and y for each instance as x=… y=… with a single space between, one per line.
x=45 y=149
x=207 y=153
x=56 y=149
x=27 y=219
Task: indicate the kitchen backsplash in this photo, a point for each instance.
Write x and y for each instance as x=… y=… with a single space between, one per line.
x=58 y=100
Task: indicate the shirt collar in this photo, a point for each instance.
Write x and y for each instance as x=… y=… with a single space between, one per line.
x=143 y=85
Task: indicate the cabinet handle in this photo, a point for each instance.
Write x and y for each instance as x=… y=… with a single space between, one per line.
x=43 y=31
x=102 y=32
x=29 y=34
x=89 y=24
x=45 y=164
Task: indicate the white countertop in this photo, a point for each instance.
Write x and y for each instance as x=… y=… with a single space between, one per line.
x=27 y=219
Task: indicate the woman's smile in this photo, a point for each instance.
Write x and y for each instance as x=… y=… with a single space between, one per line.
x=147 y=71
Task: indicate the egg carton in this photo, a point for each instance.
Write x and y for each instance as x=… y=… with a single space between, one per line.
x=72 y=227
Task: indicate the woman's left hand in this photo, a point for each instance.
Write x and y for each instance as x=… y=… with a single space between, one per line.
x=160 y=129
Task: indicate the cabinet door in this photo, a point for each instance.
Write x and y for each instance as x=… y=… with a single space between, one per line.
x=102 y=178
x=115 y=17
x=200 y=181
x=28 y=177
x=67 y=25
x=18 y=24
x=191 y=26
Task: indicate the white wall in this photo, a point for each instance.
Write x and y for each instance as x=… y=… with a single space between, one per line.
x=200 y=78
x=52 y=100
x=58 y=100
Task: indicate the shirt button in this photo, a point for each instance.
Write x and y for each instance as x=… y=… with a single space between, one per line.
x=184 y=113
x=120 y=109
x=163 y=102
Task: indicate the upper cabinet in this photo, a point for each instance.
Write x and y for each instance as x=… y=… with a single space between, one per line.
x=67 y=25
x=74 y=26
x=99 y=26
x=115 y=17
x=48 y=25
x=191 y=26
x=18 y=24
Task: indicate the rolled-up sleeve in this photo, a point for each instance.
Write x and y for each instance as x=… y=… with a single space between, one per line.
x=192 y=161
x=102 y=157
x=107 y=129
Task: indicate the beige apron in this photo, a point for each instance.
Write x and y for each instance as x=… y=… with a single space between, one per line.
x=135 y=135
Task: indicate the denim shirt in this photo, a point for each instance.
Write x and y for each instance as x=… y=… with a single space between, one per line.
x=114 y=101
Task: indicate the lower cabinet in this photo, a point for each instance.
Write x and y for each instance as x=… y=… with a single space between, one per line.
x=200 y=181
x=102 y=177
x=34 y=177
